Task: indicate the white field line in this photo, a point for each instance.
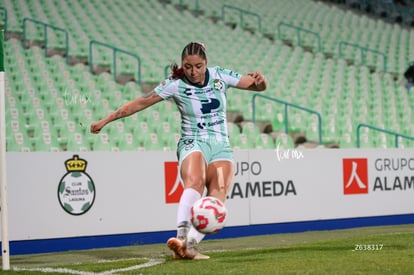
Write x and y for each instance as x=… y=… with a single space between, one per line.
x=151 y=262
x=53 y=270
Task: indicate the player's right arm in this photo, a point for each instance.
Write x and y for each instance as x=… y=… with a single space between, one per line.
x=127 y=109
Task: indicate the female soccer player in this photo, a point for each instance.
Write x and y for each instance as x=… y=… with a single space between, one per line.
x=204 y=152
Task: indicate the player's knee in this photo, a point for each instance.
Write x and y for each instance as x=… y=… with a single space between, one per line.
x=195 y=182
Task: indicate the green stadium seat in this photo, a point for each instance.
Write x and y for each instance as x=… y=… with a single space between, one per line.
x=264 y=141
x=14 y=125
x=366 y=140
x=19 y=142
x=294 y=75
x=13 y=147
x=127 y=142
x=278 y=122
x=151 y=141
x=241 y=141
x=104 y=142
x=233 y=128
x=46 y=143
x=84 y=117
x=77 y=143
x=171 y=141
x=250 y=129
x=346 y=141
x=284 y=141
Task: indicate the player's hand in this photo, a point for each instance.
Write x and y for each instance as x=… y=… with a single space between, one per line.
x=97 y=126
x=259 y=78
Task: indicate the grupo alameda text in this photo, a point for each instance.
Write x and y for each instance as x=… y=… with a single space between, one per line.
x=393 y=174
x=265 y=188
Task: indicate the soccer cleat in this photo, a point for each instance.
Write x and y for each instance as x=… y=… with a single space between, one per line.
x=182 y=231
x=178 y=244
x=195 y=255
x=178 y=247
x=177 y=257
x=182 y=248
x=191 y=251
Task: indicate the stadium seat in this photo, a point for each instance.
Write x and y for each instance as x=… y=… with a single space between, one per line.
x=251 y=129
x=233 y=128
x=77 y=143
x=295 y=75
x=14 y=125
x=264 y=141
x=46 y=143
x=284 y=141
x=151 y=141
x=103 y=142
x=278 y=122
x=241 y=141
x=127 y=142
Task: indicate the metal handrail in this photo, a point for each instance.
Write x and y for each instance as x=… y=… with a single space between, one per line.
x=363 y=52
x=115 y=51
x=46 y=26
x=241 y=12
x=389 y=132
x=299 y=30
x=288 y=104
x=196 y=5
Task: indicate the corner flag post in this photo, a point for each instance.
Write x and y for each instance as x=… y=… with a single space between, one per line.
x=4 y=210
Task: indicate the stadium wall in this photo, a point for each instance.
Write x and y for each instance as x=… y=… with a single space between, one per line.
x=65 y=201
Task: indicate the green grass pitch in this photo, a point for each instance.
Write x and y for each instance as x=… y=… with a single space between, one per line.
x=368 y=250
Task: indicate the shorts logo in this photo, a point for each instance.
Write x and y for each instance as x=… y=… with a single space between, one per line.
x=189 y=143
x=173 y=186
x=355 y=176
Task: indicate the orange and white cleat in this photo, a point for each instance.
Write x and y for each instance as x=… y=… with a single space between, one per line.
x=178 y=247
x=191 y=251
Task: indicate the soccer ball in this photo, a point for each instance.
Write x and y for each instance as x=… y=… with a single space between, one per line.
x=208 y=215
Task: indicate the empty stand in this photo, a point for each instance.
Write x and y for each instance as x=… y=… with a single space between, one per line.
x=53 y=103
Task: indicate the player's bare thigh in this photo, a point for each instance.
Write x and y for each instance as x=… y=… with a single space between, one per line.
x=219 y=178
x=193 y=171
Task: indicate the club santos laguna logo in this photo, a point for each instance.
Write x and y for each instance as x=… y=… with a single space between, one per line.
x=76 y=190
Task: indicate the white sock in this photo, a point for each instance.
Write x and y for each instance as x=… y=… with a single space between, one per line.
x=188 y=198
x=193 y=233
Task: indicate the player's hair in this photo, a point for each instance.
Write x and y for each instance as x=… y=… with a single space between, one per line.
x=192 y=48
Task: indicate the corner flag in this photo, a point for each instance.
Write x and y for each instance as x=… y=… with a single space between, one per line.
x=3 y=177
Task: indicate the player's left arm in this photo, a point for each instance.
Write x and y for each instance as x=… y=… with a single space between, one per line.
x=253 y=81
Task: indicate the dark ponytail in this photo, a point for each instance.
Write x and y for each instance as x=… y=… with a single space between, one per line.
x=176 y=72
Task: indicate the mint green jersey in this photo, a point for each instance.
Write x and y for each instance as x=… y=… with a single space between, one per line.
x=202 y=107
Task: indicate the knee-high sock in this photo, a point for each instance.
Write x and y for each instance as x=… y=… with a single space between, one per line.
x=188 y=198
x=194 y=234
